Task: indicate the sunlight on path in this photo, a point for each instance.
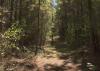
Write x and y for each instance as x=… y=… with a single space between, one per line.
x=55 y=63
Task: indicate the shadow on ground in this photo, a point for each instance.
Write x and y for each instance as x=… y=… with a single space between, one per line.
x=85 y=56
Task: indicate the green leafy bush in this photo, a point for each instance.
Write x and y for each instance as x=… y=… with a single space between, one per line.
x=13 y=33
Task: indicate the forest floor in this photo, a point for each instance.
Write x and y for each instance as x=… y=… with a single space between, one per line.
x=55 y=58
x=51 y=61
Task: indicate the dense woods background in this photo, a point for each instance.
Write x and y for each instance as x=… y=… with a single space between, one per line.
x=32 y=27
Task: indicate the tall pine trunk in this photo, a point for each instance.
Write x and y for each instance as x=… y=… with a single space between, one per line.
x=94 y=35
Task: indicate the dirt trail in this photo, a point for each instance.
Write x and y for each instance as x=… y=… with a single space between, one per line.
x=56 y=64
